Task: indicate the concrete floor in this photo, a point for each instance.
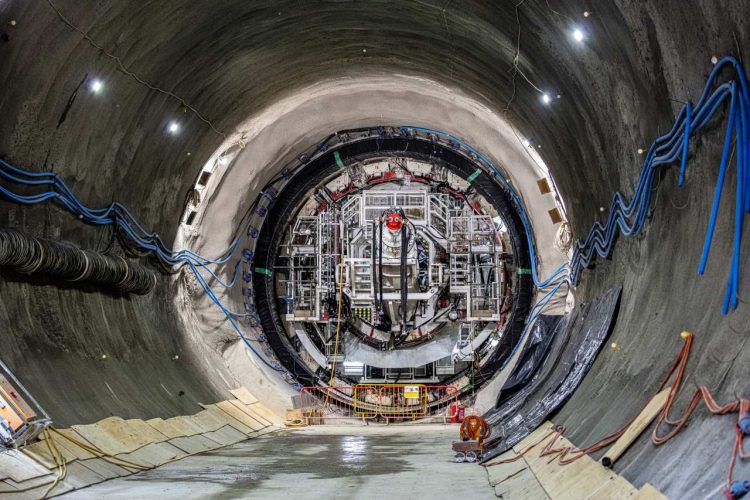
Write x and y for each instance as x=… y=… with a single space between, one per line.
x=315 y=462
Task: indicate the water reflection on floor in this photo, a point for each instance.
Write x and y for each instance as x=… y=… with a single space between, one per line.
x=350 y=462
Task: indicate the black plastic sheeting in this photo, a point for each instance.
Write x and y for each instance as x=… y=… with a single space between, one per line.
x=534 y=353
x=575 y=341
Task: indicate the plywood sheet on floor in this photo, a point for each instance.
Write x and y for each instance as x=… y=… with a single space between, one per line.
x=104 y=468
x=240 y=415
x=226 y=436
x=243 y=395
x=166 y=427
x=583 y=478
x=19 y=467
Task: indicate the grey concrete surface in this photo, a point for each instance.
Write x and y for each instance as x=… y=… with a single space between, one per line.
x=316 y=462
x=230 y=59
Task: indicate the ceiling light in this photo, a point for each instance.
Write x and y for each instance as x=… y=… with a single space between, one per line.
x=546 y=98
x=173 y=127
x=96 y=86
x=526 y=143
x=578 y=35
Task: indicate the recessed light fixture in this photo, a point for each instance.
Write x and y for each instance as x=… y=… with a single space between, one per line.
x=96 y=86
x=546 y=98
x=526 y=143
x=578 y=35
x=173 y=127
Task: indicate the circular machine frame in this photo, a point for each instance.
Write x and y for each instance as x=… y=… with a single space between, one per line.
x=324 y=166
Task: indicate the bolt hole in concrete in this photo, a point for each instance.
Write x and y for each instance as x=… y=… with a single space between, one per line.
x=391 y=462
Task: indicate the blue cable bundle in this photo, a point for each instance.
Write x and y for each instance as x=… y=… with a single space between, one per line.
x=630 y=217
x=117 y=214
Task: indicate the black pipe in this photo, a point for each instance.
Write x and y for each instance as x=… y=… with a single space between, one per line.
x=28 y=255
x=404 y=283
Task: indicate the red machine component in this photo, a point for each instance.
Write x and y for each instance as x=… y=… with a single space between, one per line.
x=394 y=221
x=457 y=412
x=476 y=206
x=344 y=192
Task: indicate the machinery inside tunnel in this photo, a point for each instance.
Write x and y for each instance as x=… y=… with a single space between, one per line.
x=237 y=234
x=421 y=262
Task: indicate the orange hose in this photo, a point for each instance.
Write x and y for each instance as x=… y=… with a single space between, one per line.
x=568 y=454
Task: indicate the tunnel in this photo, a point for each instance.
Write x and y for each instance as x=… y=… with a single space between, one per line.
x=239 y=239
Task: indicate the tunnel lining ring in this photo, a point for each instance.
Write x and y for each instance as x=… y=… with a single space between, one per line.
x=325 y=165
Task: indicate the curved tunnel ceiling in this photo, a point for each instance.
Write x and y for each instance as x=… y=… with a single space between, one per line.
x=279 y=77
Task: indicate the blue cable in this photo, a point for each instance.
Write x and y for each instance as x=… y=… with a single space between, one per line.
x=626 y=217
x=629 y=217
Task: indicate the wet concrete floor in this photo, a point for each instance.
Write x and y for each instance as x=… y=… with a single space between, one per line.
x=316 y=462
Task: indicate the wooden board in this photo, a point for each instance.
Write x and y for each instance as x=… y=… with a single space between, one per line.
x=40 y=453
x=228 y=419
x=522 y=486
x=261 y=422
x=584 y=478
x=577 y=480
x=648 y=492
x=243 y=395
x=154 y=454
x=186 y=426
x=534 y=436
x=133 y=433
x=69 y=449
x=166 y=427
x=149 y=433
x=226 y=435
x=33 y=487
x=7 y=488
x=190 y=444
x=104 y=468
x=239 y=415
x=496 y=474
x=104 y=440
x=20 y=467
x=209 y=420
x=78 y=476
x=643 y=420
x=266 y=415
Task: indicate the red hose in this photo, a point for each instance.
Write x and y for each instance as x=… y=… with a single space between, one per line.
x=678 y=370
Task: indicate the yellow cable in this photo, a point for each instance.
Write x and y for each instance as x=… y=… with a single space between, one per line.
x=60 y=462
x=61 y=468
x=338 y=329
x=100 y=454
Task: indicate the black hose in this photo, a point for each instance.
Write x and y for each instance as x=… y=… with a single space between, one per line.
x=28 y=255
x=404 y=282
x=373 y=257
x=380 y=266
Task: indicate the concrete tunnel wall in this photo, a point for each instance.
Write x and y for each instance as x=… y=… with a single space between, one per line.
x=231 y=59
